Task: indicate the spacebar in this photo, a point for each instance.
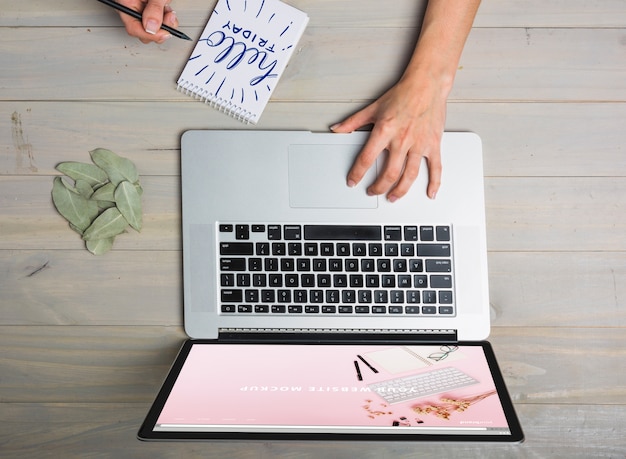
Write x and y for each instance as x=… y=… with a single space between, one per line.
x=342 y=232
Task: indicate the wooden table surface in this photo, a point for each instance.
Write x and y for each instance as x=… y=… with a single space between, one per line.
x=85 y=341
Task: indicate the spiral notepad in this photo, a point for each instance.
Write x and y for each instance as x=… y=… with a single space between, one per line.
x=241 y=54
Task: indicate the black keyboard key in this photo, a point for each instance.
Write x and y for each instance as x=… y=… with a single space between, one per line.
x=356 y=280
x=340 y=280
x=316 y=296
x=446 y=310
x=410 y=233
x=258 y=228
x=274 y=232
x=348 y=296
x=342 y=233
x=429 y=310
x=407 y=250
x=229 y=308
x=262 y=309
x=445 y=297
x=255 y=264
x=233 y=264
x=381 y=296
x=379 y=309
x=287 y=264
x=323 y=280
x=242 y=232
x=303 y=264
x=416 y=266
x=393 y=233
x=396 y=297
x=271 y=264
x=244 y=309
x=420 y=281
x=413 y=297
x=391 y=250
x=319 y=264
x=359 y=249
x=388 y=281
x=295 y=309
x=293 y=232
x=243 y=280
x=433 y=250
x=300 y=296
x=283 y=296
x=441 y=281
x=345 y=309
x=404 y=281
x=443 y=233
x=383 y=265
x=279 y=309
x=327 y=309
x=310 y=309
x=236 y=248
x=399 y=265
x=327 y=249
x=279 y=249
x=343 y=249
x=310 y=249
x=251 y=296
x=372 y=280
x=275 y=280
x=395 y=309
x=429 y=297
x=367 y=265
x=307 y=280
x=294 y=249
x=412 y=310
x=227 y=280
x=259 y=280
x=352 y=265
x=427 y=233
x=226 y=228
x=335 y=264
x=268 y=296
x=362 y=309
x=438 y=266
x=292 y=280
x=375 y=250
x=332 y=296
x=364 y=296
x=262 y=248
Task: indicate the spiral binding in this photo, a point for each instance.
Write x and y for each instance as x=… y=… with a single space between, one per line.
x=222 y=105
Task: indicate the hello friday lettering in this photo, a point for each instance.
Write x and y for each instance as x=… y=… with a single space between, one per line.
x=233 y=52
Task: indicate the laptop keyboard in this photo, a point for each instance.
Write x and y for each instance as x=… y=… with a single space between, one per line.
x=323 y=269
x=422 y=385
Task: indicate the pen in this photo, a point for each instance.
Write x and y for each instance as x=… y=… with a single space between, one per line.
x=358 y=371
x=137 y=15
x=366 y=363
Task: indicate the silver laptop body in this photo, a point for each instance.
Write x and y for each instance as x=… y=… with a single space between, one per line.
x=295 y=182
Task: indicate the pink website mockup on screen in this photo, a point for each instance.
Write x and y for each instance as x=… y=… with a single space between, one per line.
x=345 y=388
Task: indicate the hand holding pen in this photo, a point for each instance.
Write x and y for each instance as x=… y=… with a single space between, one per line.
x=148 y=20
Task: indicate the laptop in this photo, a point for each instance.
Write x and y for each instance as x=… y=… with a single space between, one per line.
x=315 y=311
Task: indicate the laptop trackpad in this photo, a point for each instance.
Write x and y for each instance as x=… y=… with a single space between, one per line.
x=317 y=178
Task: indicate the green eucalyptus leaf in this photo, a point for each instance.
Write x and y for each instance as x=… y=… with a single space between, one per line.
x=84 y=189
x=90 y=173
x=78 y=230
x=129 y=204
x=104 y=193
x=77 y=210
x=109 y=224
x=100 y=246
x=117 y=168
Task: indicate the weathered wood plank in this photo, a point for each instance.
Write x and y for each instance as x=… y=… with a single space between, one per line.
x=497 y=65
x=519 y=139
x=77 y=364
x=90 y=430
x=50 y=287
x=331 y=13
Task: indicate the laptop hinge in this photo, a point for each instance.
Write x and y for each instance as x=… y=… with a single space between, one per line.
x=294 y=335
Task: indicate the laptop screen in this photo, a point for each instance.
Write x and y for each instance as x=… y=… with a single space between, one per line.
x=408 y=391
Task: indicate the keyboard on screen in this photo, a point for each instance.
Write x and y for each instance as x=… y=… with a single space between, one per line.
x=324 y=269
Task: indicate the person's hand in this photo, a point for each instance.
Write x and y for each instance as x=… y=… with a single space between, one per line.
x=408 y=122
x=155 y=13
